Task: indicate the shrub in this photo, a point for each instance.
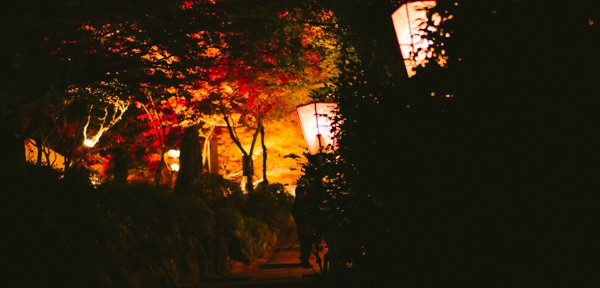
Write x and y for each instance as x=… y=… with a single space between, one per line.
x=272 y=205
x=69 y=233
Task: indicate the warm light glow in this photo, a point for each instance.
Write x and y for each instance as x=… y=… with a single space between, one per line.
x=173 y=153
x=49 y=156
x=409 y=21
x=172 y=159
x=226 y=88
x=315 y=119
x=89 y=142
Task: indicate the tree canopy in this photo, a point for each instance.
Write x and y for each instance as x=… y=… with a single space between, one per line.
x=178 y=63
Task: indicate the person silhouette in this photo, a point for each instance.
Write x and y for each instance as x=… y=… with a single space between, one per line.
x=303 y=227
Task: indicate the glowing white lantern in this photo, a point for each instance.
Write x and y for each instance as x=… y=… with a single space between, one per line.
x=315 y=119
x=172 y=160
x=409 y=21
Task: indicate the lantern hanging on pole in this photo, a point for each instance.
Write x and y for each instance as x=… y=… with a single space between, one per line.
x=409 y=21
x=315 y=119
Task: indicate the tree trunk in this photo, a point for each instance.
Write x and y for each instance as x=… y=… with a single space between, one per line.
x=157 y=174
x=40 y=149
x=264 y=148
x=190 y=159
x=11 y=141
x=120 y=166
x=248 y=171
x=247 y=162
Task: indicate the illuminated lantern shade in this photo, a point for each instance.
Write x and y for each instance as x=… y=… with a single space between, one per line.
x=172 y=160
x=409 y=21
x=315 y=119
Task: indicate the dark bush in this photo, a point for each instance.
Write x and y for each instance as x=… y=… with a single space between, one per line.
x=271 y=204
x=69 y=233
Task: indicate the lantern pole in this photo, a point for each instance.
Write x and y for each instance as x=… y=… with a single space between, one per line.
x=319 y=136
x=412 y=43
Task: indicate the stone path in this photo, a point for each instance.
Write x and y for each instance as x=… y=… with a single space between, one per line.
x=279 y=268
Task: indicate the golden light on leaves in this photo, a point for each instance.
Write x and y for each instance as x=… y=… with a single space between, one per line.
x=285 y=145
x=155 y=54
x=211 y=52
x=283 y=137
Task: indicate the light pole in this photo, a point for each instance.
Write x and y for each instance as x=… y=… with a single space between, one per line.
x=316 y=120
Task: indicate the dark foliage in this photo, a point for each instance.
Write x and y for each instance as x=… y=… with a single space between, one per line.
x=68 y=233
x=495 y=187
x=270 y=203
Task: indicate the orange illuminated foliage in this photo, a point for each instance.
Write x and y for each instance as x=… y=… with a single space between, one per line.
x=252 y=63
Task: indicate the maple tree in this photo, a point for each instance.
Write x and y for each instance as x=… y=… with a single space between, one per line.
x=225 y=74
x=190 y=49
x=266 y=91
x=162 y=121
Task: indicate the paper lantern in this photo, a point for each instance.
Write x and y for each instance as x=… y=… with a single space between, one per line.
x=409 y=21
x=172 y=160
x=315 y=119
